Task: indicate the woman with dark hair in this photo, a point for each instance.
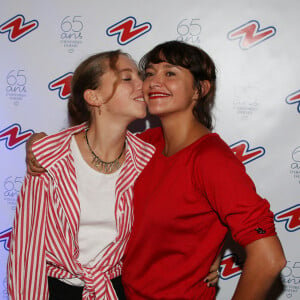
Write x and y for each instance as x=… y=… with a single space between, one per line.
x=192 y=191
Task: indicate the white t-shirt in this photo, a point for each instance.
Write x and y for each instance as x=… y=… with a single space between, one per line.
x=97 y=227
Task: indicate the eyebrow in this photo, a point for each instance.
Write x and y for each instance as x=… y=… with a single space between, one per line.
x=166 y=66
x=129 y=70
x=125 y=70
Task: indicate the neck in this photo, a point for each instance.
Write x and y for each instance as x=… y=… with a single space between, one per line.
x=181 y=132
x=107 y=139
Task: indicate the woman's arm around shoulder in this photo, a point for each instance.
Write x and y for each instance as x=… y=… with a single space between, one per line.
x=33 y=167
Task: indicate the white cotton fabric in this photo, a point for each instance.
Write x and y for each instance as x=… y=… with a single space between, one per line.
x=97 y=227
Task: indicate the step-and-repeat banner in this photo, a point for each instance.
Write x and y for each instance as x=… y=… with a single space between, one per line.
x=255 y=45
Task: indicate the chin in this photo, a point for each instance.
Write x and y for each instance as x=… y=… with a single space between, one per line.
x=156 y=112
x=142 y=115
x=139 y=114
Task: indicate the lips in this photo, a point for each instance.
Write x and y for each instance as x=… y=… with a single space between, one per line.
x=158 y=95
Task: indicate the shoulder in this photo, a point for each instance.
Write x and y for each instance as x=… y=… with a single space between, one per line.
x=55 y=146
x=212 y=143
x=213 y=152
x=57 y=139
x=152 y=136
x=139 y=146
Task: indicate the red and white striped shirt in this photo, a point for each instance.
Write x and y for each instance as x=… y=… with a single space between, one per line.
x=45 y=233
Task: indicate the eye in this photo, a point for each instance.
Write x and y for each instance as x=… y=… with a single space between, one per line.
x=148 y=74
x=169 y=74
x=127 y=79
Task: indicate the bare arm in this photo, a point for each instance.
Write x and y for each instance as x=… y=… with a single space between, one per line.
x=265 y=259
x=33 y=167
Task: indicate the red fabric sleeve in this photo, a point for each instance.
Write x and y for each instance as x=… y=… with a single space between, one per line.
x=232 y=193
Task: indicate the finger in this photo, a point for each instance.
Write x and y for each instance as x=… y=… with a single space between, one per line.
x=30 y=159
x=33 y=166
x=33 y=162
x=33 y=173
x=213 y=282
x=35 y=169
x=216 y=264
x=212 y=278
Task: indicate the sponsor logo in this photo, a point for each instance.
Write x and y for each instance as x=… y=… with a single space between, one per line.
x=290 y=276
x=63 y=85
x=243 y=152
x=5 y=238
x=291 y=218
x=248 y=104
x=11 y=187
x=71 y=32
x=295 y=165
x=17 y=27
x=126 y=30
x=294 y=98
x=14 y=137
x=189 y=30
x=250 y=34
x=16 y=85
x=245 y=109
x=230 y=266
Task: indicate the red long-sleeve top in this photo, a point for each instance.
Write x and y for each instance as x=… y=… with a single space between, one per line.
x=183 y=207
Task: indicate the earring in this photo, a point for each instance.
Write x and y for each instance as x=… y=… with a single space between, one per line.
x=99 y=110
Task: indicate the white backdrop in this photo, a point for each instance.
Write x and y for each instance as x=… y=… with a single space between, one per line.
x=255 y=45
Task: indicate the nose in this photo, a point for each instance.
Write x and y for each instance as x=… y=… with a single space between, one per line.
x=154 y=84
x=155 y=81
x=139 y=83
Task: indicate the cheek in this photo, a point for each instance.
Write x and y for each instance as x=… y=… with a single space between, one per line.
x=145 y=86
x=145 y=93
x=118 y=101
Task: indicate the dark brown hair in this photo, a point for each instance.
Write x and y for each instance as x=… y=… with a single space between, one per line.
x=88 y=76
x=198 y=62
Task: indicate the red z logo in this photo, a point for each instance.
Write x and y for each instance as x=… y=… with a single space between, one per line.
x=230 y=266
x=17 y=28
x=127 y=30
x=250 y=34
x=5 y=237
x=244 y=154
x=291 y=217
x=294 y=98
x=14 y=137
x=63 y=85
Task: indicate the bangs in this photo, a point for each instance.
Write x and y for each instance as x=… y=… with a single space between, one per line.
x=167 y=53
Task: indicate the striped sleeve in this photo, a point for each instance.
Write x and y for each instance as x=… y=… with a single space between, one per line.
x=26 y=269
